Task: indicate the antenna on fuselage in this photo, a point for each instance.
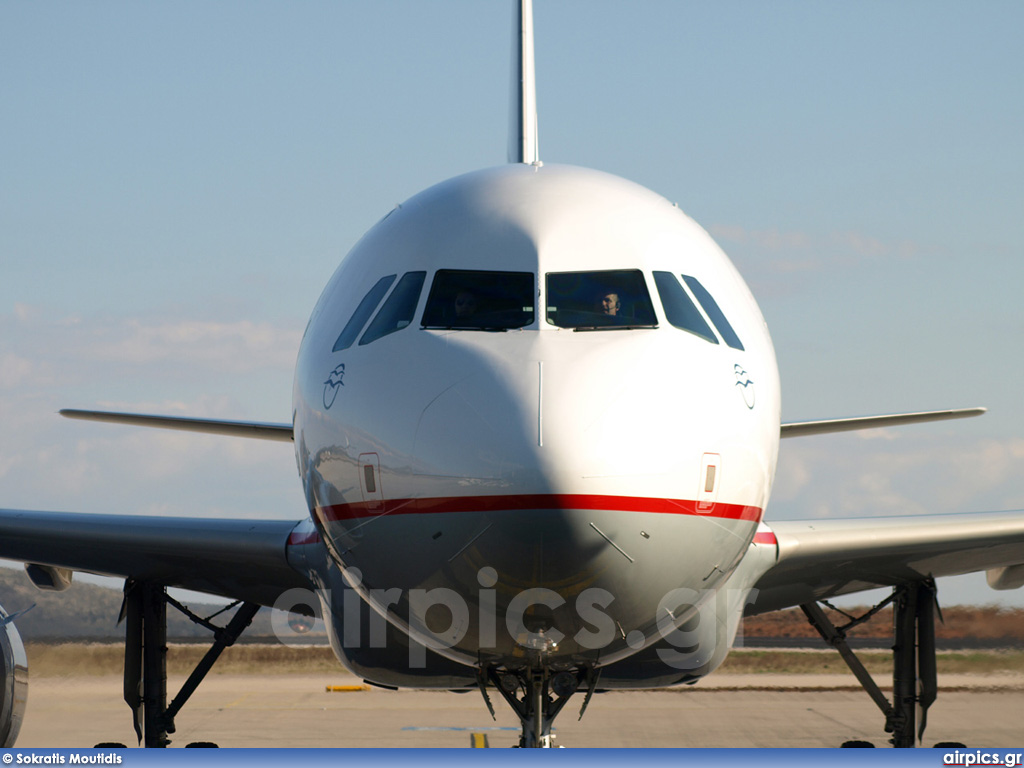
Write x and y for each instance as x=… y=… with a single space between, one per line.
x=522 y=135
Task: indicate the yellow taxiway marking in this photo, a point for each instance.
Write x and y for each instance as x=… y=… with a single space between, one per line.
x=239 y=700
x=346 y=688
x=478 y=740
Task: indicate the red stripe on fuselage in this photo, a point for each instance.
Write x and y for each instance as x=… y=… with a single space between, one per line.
x=765 y=537
x=307 y=537
x=508 y=503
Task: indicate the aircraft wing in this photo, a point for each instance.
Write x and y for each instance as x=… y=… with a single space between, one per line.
x=829 y=426
x=263 y=430
x=240 y=559
x=819 y=559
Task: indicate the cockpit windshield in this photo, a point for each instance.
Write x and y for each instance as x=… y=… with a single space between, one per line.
x=479 y=301
x=598 y=301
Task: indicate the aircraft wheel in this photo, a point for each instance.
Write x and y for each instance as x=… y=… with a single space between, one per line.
x=855 y=744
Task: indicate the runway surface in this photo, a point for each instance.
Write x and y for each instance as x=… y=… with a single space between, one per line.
x=740 y=711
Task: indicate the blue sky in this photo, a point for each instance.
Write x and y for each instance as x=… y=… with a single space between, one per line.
x=178 y=181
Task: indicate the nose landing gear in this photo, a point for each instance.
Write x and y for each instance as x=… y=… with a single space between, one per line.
x=537 y=695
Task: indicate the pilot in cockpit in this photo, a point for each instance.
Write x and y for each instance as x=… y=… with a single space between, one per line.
x=608 y=304
x=465 y=305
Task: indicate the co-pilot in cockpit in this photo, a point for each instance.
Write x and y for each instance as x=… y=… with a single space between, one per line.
x=599 y=300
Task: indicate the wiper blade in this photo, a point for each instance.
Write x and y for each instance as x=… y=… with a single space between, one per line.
x=490 y=328
x=612 y=327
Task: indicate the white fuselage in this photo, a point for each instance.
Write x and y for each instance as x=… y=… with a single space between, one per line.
x=548 y=452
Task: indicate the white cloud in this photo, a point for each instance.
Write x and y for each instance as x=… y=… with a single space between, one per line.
x=243 y=346
x=228 y=369
x=768 y=239
x=843 y=477
x=24 y=312
x=233 y=368
x=887 y=435
x=14 y=370
x=79 y=466
x=796 y=251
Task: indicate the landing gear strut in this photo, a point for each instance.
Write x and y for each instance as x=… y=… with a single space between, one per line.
x=145 y=657
x=914 y=678
x=537 y=696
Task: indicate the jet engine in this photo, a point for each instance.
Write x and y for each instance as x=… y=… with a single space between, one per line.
x=13 y=680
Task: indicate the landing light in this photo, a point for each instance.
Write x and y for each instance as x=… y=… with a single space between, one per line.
x=564 y=684
x=509 y=683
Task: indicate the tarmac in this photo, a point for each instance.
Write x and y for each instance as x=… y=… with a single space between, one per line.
x=723 y=711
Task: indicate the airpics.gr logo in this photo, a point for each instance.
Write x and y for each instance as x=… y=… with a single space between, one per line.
x=333 y=384
x=979 y=757
x=746 y=385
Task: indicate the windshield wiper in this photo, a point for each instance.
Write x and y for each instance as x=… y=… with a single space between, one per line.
x=612 y=327
x=490 y=328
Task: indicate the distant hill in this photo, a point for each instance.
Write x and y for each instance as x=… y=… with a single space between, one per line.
x=988 y=625
x=89 y=612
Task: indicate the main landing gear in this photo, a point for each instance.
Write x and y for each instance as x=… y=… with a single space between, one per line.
x=914 y=679
x=144 y=612
x=537 y=695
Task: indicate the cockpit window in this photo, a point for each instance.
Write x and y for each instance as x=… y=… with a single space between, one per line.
x=479 y=301
x=398 y=310
x=362 y=313
x=680 y=310
x=714 y=312
x=592 y=301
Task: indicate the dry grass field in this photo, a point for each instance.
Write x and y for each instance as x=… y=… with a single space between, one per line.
x=100 y=659
x=959 y=622
x=966 y=623
x=97 y=660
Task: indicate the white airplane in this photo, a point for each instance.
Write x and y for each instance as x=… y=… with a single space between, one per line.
x=536 y=416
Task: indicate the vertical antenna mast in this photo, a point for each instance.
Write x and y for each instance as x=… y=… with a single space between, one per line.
x=522 y=144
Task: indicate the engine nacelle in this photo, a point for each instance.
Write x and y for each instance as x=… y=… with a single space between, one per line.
x=13 y=680
x=1010 y=577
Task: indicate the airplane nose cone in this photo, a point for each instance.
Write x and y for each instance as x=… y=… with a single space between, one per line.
x=557 y=417
x=481 y=429
x=548 y=496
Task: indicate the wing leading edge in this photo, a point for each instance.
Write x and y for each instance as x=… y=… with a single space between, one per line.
x=819 y=559
x=828 y=426
x=263 y=430
x=240 y=559
x=266 y=430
